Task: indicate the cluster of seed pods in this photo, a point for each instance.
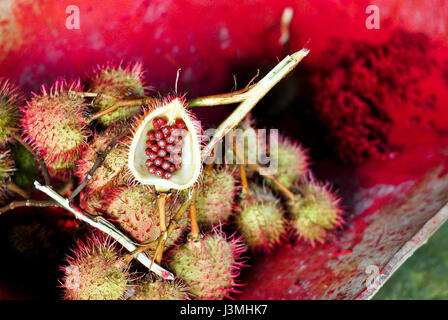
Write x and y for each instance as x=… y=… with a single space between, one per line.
x=164 y=149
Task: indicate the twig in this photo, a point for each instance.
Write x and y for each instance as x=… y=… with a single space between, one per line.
x=121 y=103
x=253 y=95
x=95 y=166
x=15 y=188
x=105 y=226
x=171 y=226
x=244 y=180
x=28 y=203
x=36 y=155
x=257 y=168
x=194 y=233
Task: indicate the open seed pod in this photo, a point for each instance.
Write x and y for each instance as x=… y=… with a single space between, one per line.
x=189 y=165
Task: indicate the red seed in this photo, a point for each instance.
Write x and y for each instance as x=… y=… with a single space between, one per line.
x=151 y=135
x=152 y=155
x=166 y=165
x=161 y=143
x=158 y=162
x=170 y=139
x=179 y=123
x=167 y=175
x=166 y=131
x=152 y=169
x=159 y=135
x=154 y=147
x=162 y=121
x=171 y=168
x=169 y=148
x=149 y=162
x=148 y=151
x=161 y=153
x=159 y=172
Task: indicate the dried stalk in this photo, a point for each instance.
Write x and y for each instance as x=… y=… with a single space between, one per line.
x=253 y=95
x=105 y=226
x=28 y=203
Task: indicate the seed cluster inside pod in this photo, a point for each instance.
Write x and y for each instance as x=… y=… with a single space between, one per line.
x=164 y=149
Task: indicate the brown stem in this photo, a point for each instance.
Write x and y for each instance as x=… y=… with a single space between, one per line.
x=257 y=168
x=15 y=188
x=36 y=155
x=171 y=226
x=161 y=201
x=95 y=166
x=194 y=233
x=223 y=98
x=244 y=180
x=28 y=203
x=122 y=103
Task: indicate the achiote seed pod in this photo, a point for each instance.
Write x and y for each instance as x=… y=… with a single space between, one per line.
x=9 y=102
x=55 y=126
x=314 y=212
x=179 y=145
x=214 y=200
x=134 y=208
x=261 y=220
x=96 y=272
x=160 y=290
x=208 y=266
x=115 y=83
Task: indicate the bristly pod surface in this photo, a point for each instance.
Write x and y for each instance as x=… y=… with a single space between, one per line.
x=261 y=220
x=96 y=272
x=10 y=98
x=209 y=265
x=134 y=208
x=160 y=290
x=6 y=170
x=165 y=149
x=314 y=212
x=113 y=169
x=291 y=162
x=55 y=126
x=115 y=83
x=214 y=199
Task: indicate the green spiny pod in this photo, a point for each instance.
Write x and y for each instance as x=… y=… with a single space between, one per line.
x=208 y=266
x=96 y=272
x=135 y=210
x=117 y=82
x=261 y=220
x=9 y=101
x=55 y=126
x=160 y=290
x=214 y=200
x=314 y=212
x=291 y=162
x=6 y=170
x=112 y=171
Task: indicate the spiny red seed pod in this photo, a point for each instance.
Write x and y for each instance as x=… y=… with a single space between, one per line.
x=96 y=272
x=112 y=170
x=208 y=266
x=190 y=162
x=7 y=168
x=91 y=202
x=54 y=125
x=134 y=208
x=214 y=199
x=261 y=220
x=9 y=102
x=290 y=161
x=314 y=212
x=118 y=82
x=160 y=290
